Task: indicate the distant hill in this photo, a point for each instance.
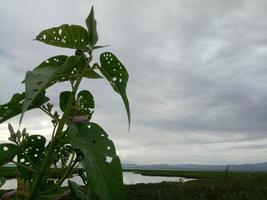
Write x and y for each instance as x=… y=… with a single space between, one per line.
x=257 y=167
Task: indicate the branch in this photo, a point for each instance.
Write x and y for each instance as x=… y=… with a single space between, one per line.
x=49 y=114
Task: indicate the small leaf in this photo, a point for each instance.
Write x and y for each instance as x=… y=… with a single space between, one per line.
x=99 y=47
x=82 y=176
x=7 y=152
x=63 y=99
x=91 y=26
x=76 y=191
x=14 y=106
x=44 y=76
x=86 y=103
x=90 y=73
x=67 y=36
x=2 y=181
x=65 y=153
x=102 y=165
x=117 y=75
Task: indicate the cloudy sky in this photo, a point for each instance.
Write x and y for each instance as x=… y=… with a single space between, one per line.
x=198 y=74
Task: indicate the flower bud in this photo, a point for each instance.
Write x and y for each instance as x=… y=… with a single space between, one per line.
x=80 y=119
x=24 y=133
x=11 y=130
x=18 y=134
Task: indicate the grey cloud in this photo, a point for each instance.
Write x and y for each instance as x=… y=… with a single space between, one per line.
x=197 y=73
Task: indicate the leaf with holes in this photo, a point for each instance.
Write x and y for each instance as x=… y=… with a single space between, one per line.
x=86 y=103
x=2 y=181
x=57 y=151
x=102 y=165
x=91 y=26
x=76 y=191
x=7 y=152
x=13 y=107
x=67 y=36
x=82 y=176
x=55 y=61
x=31 y=154
x=65 y=153
x=44 y=76
x=117 y=75
x=65 y=66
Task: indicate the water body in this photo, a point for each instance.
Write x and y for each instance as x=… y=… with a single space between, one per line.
x=132 y=178
x=128 y=178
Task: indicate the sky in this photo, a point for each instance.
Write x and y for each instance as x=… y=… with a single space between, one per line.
x=198 y=74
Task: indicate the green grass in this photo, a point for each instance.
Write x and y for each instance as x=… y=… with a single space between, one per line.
x=209 y=186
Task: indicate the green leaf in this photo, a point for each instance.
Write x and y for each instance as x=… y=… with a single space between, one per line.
x=63 y=99
x=2 y=181
x=7 y=152
x=45 y=75
x=88 y=71
x=117 y=75
x=99 y=47
x=57 y=61
x=31 y=154
x=86 y=101
x=102 y=165
x=76 y=191
x=65 y=153
x=64 y=65
x=91 y=26
x=84 y=104
x=67 y=36
x=14 y=106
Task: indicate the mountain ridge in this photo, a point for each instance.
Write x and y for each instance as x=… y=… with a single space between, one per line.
x=255 y=167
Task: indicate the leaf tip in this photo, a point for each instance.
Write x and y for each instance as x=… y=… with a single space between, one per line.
x=20 y=119
x=92 y=10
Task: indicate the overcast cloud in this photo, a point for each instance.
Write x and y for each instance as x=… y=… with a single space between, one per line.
x=198 y=71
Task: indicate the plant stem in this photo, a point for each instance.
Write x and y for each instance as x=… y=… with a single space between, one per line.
x=47 y=161
x=54 y=130
x=49 y=114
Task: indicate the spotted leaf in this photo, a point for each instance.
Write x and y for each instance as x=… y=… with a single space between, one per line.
x=44 y=76
x=102 y=165
x=7 y=152
x=65 y=153
x=67 y=36
x=31 y=154
x=117 y=75
x=86 y=103
x=14 y=106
